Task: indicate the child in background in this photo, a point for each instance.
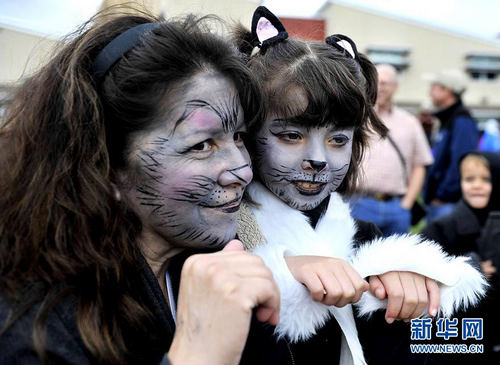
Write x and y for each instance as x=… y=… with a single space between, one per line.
x=473 y=229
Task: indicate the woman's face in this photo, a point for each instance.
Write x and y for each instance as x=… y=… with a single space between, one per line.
x=189 y=172
x=300 y=165
x=475 y=182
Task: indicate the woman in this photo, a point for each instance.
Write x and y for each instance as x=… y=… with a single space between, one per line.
x=124 y=151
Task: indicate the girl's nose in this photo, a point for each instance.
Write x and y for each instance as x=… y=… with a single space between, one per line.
x=317 y=166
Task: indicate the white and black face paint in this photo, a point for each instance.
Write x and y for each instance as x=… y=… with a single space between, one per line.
x=192 y=170
x=300 y=165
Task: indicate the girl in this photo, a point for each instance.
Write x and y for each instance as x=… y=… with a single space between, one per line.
x=319 y=104
x=120 y=158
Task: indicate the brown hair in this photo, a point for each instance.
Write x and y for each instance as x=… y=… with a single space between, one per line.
x=62 y=232
x=340 y=90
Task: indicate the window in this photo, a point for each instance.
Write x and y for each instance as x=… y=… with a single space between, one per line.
x=483 y=66
x=397 y=57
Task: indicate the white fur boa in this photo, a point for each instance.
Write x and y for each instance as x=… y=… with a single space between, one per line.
x=288 y=233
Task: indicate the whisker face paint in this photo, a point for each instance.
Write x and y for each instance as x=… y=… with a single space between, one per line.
x=300 y=165
x=190 y=172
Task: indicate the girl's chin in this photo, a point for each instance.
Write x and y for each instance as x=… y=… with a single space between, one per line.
x=478 y=203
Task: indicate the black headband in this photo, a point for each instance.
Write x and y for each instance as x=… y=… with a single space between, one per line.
x=115 y=49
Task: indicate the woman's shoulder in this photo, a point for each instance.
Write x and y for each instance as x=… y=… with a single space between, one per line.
x=62 y=340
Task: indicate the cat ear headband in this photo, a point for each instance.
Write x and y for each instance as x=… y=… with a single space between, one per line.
x=344 y=44
x=266 y=30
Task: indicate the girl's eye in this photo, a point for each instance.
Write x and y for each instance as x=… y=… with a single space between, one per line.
x=239 y=138
x=290 y=136
x=338 y=140
x=204 y=146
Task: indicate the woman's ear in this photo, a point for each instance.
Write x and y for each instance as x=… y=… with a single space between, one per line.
x=116 y=192
x=121 y=184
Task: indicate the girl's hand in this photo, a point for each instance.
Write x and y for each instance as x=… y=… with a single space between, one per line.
x=407 y=294
x=331 y=281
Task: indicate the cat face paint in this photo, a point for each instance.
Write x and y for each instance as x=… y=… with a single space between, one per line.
x=300 y=165
x=192 y=169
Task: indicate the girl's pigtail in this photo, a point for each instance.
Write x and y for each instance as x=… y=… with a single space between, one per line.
x=370 y=75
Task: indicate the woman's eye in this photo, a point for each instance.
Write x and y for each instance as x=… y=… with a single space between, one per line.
x=202 y=146
x=338 y=140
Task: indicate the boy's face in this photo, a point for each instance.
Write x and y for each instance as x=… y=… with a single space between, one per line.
x=300 y=165
x=188 y=174
x=475 y=182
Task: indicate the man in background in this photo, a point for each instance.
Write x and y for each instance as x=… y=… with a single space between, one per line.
x=457 y=135
x=393 y=169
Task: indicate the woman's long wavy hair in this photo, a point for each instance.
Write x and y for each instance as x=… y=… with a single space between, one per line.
x=340 y=90
x=64 y=138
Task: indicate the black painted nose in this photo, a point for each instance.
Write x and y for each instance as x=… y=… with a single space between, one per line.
x=317 y=165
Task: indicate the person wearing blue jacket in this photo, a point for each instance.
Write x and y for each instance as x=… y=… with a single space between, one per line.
x=458 y=135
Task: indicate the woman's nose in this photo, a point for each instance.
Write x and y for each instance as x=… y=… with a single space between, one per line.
x=316 y=166
x=241 y=175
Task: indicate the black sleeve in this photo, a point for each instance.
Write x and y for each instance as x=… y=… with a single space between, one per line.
x=17 y=347
x=437 y=231
x=367 y=231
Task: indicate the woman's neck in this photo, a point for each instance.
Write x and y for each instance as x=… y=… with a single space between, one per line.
x=157 y=252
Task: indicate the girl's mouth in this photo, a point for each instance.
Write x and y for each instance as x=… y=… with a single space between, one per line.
x=309 y=188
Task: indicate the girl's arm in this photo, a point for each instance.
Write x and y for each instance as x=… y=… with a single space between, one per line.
x=333 y=281
x=330 y=281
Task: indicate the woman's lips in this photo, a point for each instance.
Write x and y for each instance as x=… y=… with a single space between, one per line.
x=229 y=207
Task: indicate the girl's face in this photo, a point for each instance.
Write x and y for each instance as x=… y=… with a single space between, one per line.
x=475 y=182
x=188 y=174
x=300 y=165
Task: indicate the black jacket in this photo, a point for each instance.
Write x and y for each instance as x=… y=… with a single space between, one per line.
x=466 y=233
x=65 y=346
x=462 y=232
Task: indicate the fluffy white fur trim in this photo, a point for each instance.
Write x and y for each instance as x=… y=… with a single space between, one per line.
x=461 y=285
x=300 y=316
x=289 y=227
x=288 y=232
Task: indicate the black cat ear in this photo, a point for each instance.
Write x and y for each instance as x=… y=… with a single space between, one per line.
x=344 y=44
x=266 y=29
